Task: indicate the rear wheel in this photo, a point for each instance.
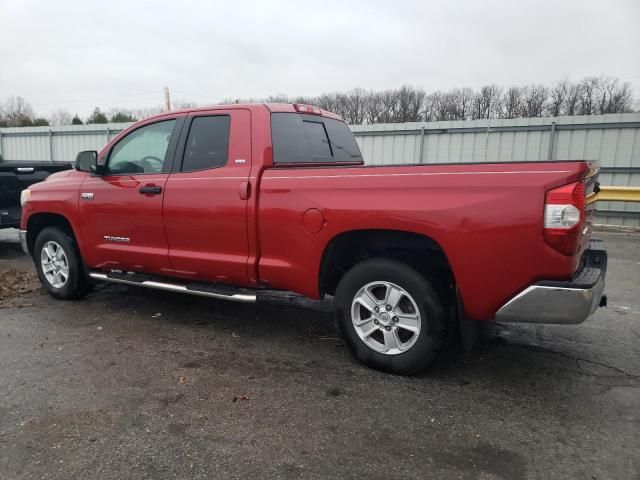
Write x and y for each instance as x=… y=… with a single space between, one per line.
x=59 y=265
x=390 y=316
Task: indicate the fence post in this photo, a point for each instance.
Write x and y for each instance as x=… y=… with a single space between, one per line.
x=552 y=136
x=1 y=150
x=486 y=143
x=108 y=132
x=421 y=144
x=50 y=145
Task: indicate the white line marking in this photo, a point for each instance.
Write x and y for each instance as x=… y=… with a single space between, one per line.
x=173 y=179
x=266 y=177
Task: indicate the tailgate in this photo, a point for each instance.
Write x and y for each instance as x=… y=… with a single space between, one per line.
x=591 y=188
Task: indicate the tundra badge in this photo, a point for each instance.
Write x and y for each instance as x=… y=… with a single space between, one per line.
x=111 y=238
x=86 y=195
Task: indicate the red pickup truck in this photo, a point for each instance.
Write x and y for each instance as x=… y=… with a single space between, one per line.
x=230 y=200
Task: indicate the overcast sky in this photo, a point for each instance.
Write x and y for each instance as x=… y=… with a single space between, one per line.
x=81 y=54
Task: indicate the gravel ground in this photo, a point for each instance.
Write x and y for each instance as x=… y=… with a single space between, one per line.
x=134 y=383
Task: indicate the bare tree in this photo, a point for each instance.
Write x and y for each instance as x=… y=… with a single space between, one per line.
x=557 y=98
x=409 y=104
x=146 y=112
x=342 y=109
x=614 y=96
x=487 y=102
x=389 y=106
x=373 y=107
x=280 y=98
x=587 y=102
x=438 y=104
x=354 y=104
x=591 y=95
x=572 y=100
x=327 y=101
x=18 y=112
x=512 y=103
x=60 y=117
x=534 y=100
x=461 y=100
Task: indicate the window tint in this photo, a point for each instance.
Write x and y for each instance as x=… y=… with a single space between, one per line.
x=143 y=150
x=343 y=143
x=308 y=138
x=207 y=144
x=317 y=141
x=288 y=138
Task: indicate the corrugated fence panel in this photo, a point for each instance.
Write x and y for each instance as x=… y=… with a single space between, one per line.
x=67 y=146
x=30 y=147
x=614 y=140
x=58 y=144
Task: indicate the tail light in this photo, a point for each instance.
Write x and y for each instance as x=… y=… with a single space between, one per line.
x=564 y=217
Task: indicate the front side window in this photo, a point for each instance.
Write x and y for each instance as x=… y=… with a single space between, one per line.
x=207 y=143
x=142 y=151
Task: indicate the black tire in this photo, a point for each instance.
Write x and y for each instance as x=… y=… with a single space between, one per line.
x=77 y=284
x=434 y=320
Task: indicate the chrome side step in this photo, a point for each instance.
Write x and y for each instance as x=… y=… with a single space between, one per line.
x=173 y=287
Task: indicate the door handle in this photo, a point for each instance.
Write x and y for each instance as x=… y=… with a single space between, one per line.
x=150 y=190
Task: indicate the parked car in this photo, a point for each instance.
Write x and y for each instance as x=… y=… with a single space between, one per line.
x=228 y=201
x=15 y=177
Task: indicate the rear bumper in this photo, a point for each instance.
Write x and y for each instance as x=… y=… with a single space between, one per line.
x=566 y=302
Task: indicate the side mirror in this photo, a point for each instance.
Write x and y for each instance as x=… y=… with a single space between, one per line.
x=86 y=161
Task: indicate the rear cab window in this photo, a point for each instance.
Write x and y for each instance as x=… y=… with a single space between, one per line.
x=308 y=139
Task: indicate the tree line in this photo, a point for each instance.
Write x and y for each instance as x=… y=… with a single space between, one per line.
x=589 y=96
x=18 y=112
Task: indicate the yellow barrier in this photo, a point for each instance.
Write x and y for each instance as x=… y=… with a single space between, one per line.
x=616 y=194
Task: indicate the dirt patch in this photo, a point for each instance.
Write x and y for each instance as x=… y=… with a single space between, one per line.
x=14 y=282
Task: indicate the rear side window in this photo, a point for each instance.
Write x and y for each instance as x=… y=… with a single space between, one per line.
x=311 y=139
x=207 y=143
x=344 y=145
x=317 y=140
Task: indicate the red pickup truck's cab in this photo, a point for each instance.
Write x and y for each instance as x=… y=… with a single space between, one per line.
x=228 y=200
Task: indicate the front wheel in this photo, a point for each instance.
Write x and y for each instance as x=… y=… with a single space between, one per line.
x=59 y=265
x=390 y=316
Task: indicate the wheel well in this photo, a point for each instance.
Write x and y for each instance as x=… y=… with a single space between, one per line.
x=39 y=221
x=419 y=251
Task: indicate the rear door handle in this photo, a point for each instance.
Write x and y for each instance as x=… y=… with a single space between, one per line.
x=150 y=190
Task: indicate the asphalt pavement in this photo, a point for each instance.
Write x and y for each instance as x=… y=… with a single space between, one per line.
x=135 y=383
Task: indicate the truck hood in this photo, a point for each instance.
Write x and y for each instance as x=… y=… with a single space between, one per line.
x=59 y=175
x=59 y=178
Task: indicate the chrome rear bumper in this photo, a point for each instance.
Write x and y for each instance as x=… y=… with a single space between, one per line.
x=569 y=302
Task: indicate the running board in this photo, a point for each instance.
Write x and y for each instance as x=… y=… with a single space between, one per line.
x=223 y=293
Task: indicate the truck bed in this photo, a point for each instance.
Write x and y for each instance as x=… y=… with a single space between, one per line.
x=486 y=217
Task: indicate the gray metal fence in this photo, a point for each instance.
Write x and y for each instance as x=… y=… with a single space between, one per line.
x=55 y=144
x=614 y=140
